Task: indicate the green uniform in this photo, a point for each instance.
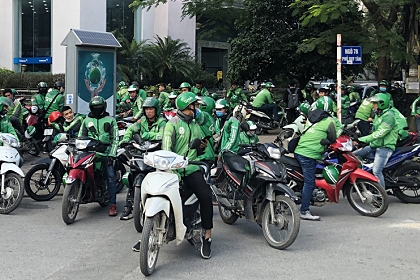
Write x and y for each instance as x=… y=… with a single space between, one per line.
x=164 y=98
x=200 y=91
x=401 y=123
x=55 y=101
x=142 y=94
x=207 y=125
x=230 y=136
x=238 y=92
x=147 y=131
x=345 y=104
x=263 y=97
x=177 y=135
x=38 y=100
x=72 y=128
x=16 y=111
x=354 y=96
x=136 y=108
x=123 y=92
x=7 y=127
x=385 y=131
x=105 y=130
x=245 y=139
x=415 y=107
x=338 y=126
x=365 y=110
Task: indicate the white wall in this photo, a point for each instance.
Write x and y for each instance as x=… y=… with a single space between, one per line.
x=179 y=28
x=7 y=34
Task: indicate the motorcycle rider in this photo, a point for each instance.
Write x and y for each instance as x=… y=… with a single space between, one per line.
x=149 y=127
x=222 y=115
x=308 y=92
x=171 y=104
x=71 y=124
x=264 y=102
x=325 y=103
x=354 y=96
x=292 y=98
x=5 y=124
x=100 y=126
x=230 y=135
x=15 y=112
x=319 y=126
x=121 y=93
x=39 y=98
x=235 y=91
x=384 y=136
x=183 y=128
x=249 y=137
x=54 y=100
x=207 y=124
x=136 y=103
x=199 y=90
x=140 y=91
x=163 y=95
x=365 y=116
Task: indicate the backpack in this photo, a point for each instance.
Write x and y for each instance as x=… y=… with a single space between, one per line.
x=293 y=100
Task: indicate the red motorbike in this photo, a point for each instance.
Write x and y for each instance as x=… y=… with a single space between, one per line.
x=85 y=182
x=362 y=189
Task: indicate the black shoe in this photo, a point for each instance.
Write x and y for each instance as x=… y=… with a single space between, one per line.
x=126 y=214
x=205 y=248
x=136 y=248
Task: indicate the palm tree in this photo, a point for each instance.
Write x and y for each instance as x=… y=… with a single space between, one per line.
x=130 y=60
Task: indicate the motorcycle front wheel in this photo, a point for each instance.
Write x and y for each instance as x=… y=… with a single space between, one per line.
x=227 y=215
x=13 y=195
x=281 y=230
x=375 y=199
x=34 y=183
x=72 y=197
x=411 y=170
x=149 y=249
x=137 y=210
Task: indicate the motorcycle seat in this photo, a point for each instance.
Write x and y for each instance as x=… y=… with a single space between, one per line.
x=403 y=150
x=405 y=141
x=289 y=161
x=234 y=162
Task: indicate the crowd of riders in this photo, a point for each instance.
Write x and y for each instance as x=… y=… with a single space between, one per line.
x=216 y=120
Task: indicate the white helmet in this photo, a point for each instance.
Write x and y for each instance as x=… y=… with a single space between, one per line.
x=239 y=112
x=34 y=109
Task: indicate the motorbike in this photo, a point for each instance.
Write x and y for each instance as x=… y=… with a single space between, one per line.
x=262 y=120
x=255 y=187
x=169 y=114
x=362 y=189
x=134 y=177
x=170 y=212
x=34 y=119
x=11 y=190
x=85 y=182
x=43 y=180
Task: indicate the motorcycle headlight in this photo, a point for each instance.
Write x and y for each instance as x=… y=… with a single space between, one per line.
x=81 y=144
x=162 y=163
x=274 y=152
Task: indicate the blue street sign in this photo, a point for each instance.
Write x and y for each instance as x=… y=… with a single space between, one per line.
x=33 y=60
x=351 y=55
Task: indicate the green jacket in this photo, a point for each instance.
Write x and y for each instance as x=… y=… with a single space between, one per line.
x=207 y=125
x=16 y=111
x=137 y=107
x=72 y=128
x=200 y=91
x=415 y=107
x=401 y=123
x=263 y=97
x=57 y=104
x=142 y=94
x=237 y=92
x=365 y=110
x=324 y=128
x=385 y=131
x=338 y=126
x=38 y=100
x=123 y=92
x=345 y=104
x=230 y=136
x=105 y=130
x=354 y=96
x=152 y=132
x=7 y=127
x=164 y=98
x=177 y=135
x=245 y=139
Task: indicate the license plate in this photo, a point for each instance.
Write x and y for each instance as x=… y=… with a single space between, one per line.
x=48 y=132
x=121 y=132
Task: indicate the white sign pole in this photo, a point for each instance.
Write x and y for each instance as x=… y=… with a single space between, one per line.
x=339 y=77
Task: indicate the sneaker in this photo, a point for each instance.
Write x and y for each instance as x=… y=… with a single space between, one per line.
x=205 y=248
x=136 y=248
x=112 y=210
x=306 y=215
x=126 y=214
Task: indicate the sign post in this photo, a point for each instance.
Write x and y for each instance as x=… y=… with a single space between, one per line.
x=339 y=77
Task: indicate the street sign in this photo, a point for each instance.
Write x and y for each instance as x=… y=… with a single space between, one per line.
x=351 y=55
x=33 y=60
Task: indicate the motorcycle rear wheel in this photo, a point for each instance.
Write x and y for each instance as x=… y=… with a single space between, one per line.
x=119 y=171
x=227 y=216
x=34 y=149
x=137 y=210
x=71 y=201
x=149 y=249
x=31 y=178
x=14 y=193
x=407 y=169
x=376 y=198
x=287 y=222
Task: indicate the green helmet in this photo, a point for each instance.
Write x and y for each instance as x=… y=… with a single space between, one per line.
x=209 y=105
x=304 y=108
x=185 y=85
x=172 y=95
x=252 y=125
x=382 y=99
x=30 y=131
x=132 y=88
x=42 y=85
x=97 y=105
x=60 y=137
x=269 y=84
x=214 y=96
x=122 y=84
x=325 y=103
x=330 y=174
x=184 y=100
x=234 y=99
x=151 y=102
x=351 y=88
x=222 y=103
x=6 y=101
x=14 y=92
x=384 y=83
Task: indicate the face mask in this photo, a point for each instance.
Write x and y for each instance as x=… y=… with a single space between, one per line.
x=382 y=89
x=219 y=114
x=197 y=112
x=43 y=90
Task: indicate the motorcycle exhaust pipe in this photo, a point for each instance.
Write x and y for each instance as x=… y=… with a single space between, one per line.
x=221 y=198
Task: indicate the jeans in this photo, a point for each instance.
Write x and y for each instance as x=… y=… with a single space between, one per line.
x=309 y=169
x=364 y=127
x=270 y=110
x=418 y=125
x=110 y=176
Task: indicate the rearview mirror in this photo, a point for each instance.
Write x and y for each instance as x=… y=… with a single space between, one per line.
x=195 y=144
x=288 y=134
x=245 y=126
x=325 y=142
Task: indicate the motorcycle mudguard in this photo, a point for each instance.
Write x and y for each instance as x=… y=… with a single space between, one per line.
x=155 y=204
x=76 y=174
x=42 y=161
x=361 y=174
x=273 y=187
x=291 y=126
x=7 y=166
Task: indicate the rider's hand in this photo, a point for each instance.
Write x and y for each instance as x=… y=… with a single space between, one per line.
x=416 y=115
x=203 y=143
x=370 y=120
x=128 y=101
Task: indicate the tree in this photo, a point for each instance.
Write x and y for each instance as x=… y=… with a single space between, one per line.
x=130 y=60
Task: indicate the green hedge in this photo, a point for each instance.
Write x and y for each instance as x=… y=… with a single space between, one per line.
x=10 y=79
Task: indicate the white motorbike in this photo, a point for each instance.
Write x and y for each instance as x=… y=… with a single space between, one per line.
x=170 y=213
x=11 y=191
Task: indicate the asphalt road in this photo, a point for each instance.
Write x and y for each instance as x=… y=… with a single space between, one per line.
x=36 y=244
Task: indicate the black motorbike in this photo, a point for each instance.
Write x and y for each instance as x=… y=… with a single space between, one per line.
x=254 y=187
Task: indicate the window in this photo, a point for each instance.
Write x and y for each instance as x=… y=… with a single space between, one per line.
x=120 y=18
